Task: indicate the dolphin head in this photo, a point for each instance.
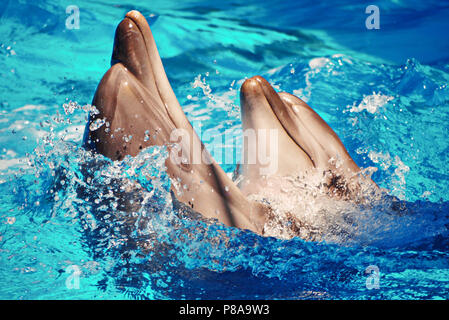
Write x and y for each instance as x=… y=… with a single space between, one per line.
x=135 y=48
x=305 y=142
x=134 y=94
x=258 y=101
x=132 y=48
x=137 y=108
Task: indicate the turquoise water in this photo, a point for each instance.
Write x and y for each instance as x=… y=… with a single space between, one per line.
x=385 y=92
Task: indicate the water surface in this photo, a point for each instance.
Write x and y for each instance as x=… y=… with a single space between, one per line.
x=385 y=92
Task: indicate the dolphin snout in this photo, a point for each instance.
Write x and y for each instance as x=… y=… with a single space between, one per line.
x=250 y=86
x=249 y=89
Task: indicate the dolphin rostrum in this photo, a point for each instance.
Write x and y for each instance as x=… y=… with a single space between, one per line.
x=305 y=142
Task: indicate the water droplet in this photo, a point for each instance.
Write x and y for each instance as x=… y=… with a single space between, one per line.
x=10 y=220
x=96 y=124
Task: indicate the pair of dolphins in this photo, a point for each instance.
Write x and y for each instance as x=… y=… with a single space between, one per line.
x=134 y=98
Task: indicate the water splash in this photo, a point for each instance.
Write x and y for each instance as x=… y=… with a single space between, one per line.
x=48 y=223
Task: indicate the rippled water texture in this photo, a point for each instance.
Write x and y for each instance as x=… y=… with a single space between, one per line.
x=385 y=92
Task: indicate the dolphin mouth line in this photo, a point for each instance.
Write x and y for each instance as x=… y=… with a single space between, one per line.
x=263 y=86
x=293 y=139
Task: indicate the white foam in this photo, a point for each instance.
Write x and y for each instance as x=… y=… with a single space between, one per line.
x=7 y=163
x=30 y=107
x=318 y=63
x=315 y=65
x=372 y=103
x=302 y=206
x=400 y=170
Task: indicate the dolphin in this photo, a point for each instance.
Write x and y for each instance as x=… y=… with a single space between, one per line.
x=134 y=101
x=306 y=144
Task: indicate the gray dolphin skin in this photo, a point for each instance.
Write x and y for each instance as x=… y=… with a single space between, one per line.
x=134 y=97
x=135 y=100
x=306 y=143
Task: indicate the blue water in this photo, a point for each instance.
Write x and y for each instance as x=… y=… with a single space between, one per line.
x=385 y=92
